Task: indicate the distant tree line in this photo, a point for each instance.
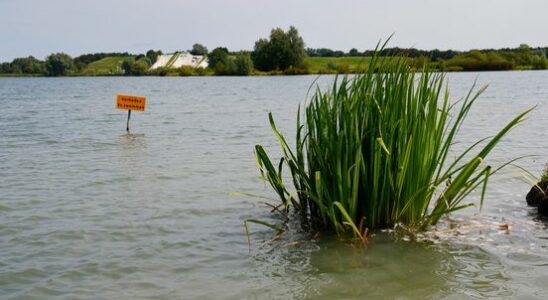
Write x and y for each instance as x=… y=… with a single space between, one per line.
x=283 y=52
x=409 y=52
x=62 y=64
x=523 y=57
x=24 y=65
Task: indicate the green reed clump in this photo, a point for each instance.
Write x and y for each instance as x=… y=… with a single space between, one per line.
x=374 y=151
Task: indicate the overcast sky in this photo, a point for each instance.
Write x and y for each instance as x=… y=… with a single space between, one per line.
x=40 y=27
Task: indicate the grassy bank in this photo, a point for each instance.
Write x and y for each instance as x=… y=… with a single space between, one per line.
x=11 y=75
x=106 y=66
x=322 y=65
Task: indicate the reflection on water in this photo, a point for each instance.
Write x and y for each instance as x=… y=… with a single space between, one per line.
x=133 y=152
x=387 y=269
x=132 y=141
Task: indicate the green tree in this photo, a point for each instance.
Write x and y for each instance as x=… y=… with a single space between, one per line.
x=263 y=56
x=220 y=62
x=225 y=68
x=126 y=65
x=524 y=48
x=525 y=55
x=132 y=67
x=539 y=61
x=353 y=52
x=59 y=64
x=295 y=53
x=5 y=68
x=198 y=49
x=216 y=56
x=243 y=64
x=153 y=55
x=282 y=51
x=140 y=68
x=28 y=65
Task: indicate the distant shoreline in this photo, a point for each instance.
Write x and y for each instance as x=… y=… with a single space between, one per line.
x=251 y=75
x=221 y=62
x=283 y=53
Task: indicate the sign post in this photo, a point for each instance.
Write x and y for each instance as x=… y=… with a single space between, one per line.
x=128 y=116
x=130 y=103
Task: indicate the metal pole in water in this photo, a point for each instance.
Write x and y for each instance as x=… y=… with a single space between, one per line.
x=128 y=116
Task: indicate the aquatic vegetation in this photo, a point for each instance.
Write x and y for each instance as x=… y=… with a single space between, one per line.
x=544 y=175
x=538 y=194
x=374 y=151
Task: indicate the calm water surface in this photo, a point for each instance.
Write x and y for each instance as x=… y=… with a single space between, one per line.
x=90 y=212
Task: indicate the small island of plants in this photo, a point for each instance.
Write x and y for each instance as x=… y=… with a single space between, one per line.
x=375 y=150
x=538 y=195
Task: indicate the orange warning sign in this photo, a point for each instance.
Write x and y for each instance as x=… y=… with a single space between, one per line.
x=131 y=102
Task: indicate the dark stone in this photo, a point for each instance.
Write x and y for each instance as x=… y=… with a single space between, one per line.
x=536 y=195
x=543 y=207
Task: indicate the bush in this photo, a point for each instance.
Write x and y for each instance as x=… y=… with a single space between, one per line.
x=159 y=71
x=201 y=71
x=131 y=67
x=225 y=68
x=28 y=65
x=480 y=61
x=59 y=64
x=186 y=71
x=146 y=61
x=217 y=55
x=243 y=64
x=373 y=152
x=5 y=68
x=539 y=63
x=297 y=71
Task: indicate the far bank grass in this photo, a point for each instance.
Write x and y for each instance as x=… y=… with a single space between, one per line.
x=111 y=65
x=10 y=75
x=318 y=65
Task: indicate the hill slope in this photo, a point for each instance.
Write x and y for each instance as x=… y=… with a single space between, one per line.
x=111 y=65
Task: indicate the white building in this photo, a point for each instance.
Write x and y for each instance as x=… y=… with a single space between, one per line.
x=179 y=59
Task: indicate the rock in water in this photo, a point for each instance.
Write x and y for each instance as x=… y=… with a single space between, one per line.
x=543 y=207
x=537 y=193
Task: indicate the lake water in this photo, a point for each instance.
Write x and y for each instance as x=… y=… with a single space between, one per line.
x=90 y=212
